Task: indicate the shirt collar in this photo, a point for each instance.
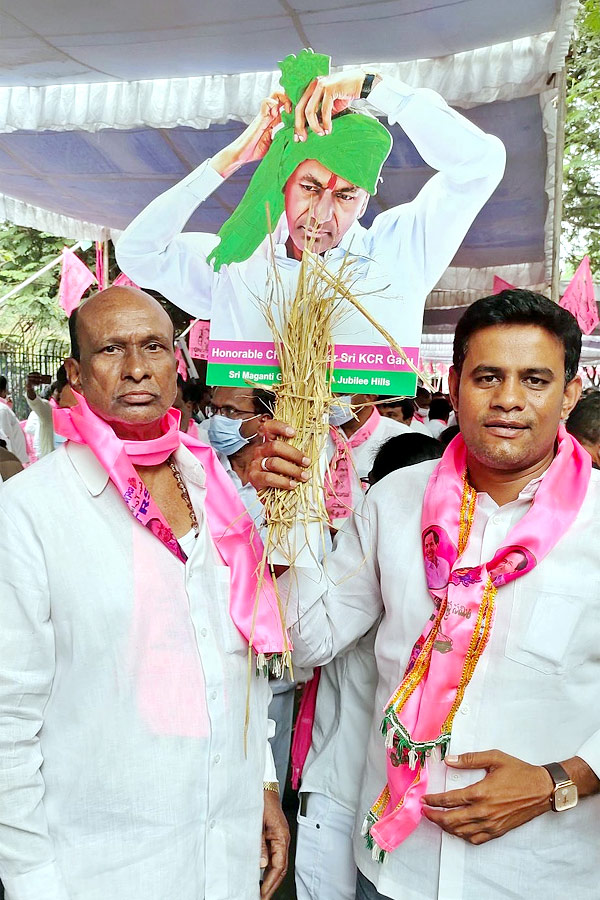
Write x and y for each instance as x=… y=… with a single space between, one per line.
x=95 y=477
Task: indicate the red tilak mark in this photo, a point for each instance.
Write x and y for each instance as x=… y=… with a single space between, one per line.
x=331 y=183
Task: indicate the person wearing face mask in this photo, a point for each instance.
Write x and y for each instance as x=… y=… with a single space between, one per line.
x=235 y=416
x=357 y=431
x=327 y=759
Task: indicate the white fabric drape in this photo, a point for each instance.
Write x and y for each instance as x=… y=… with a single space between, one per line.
x=501 y=72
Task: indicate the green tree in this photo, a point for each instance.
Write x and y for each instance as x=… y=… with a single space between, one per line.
x=34 y=310
x=581 y=195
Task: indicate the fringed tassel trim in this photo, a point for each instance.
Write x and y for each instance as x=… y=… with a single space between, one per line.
x=377 y=853
x=274 y=665
x=402 y=749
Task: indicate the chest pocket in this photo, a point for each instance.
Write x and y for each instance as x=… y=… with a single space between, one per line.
x=553 y=631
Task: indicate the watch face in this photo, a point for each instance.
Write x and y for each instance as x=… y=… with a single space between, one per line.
x=565 y=797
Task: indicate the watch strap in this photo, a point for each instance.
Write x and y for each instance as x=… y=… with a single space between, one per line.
x=367 y=86
x=557 y=773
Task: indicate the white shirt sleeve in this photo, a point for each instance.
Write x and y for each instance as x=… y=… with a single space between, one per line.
x=331 y=608
x=15 y=438
x=270 y=770
x=469 y=164
x=27 y=865
x=154 y=253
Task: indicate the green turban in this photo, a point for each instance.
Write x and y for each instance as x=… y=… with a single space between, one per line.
x=355 y=150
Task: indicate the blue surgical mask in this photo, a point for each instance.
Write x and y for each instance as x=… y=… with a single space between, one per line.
x=224 y=434
x=341 y=412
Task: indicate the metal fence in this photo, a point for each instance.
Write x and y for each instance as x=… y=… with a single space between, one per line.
x=17 y=359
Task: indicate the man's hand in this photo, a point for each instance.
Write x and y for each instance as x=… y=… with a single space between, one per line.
x=283 y=466
x=324 y=97
x=513 y=792
x=253 y=143
x=275 y=845
x=34 y=379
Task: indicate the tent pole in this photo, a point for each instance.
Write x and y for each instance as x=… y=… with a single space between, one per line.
x=33 y=278
x=106 y=262
x=561 y=113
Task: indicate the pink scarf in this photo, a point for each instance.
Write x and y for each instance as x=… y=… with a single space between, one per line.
x=253 y=605
x=303 y=728
x=418 y=717
x=338 y=481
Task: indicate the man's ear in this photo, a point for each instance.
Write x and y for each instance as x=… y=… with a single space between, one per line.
x=73 y=374
x=571 y=397
x=364 y=205
x=453 y=387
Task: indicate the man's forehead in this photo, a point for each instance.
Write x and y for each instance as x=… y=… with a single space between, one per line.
x=315 y=170
x=232 y=394
x=125 y=316
x=515 y=346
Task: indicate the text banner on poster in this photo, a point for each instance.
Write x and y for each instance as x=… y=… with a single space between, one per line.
x=359 y=369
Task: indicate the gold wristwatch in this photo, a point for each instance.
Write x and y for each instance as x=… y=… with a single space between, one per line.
x=564 y=796
x=271 y=786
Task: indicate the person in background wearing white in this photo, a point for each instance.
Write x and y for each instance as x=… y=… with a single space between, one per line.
x=499 y=818
x=42 y=430
x=234 y=419
x=10 y=427
x=403 y=410
x=439 y=412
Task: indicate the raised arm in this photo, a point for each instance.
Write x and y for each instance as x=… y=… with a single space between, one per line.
x=152 y=250
x=469 y=163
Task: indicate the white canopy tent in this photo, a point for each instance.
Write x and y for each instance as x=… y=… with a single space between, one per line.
x=102 y=107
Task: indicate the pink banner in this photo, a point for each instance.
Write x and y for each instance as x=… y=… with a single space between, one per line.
x=347 y=356
x=198 y=339
x=579 y=297
x=501 y=285
x=75 y=279
x=181 y=364
x=123 y=281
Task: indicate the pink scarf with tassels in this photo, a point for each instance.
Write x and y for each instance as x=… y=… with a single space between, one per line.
x=418 y=717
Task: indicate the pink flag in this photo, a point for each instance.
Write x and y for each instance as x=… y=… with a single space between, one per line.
x=123 y=281
x=198 y=339
x=100 y=266
x=579 y=297
x=75 y=279
x=181 y=364
x=501 y=285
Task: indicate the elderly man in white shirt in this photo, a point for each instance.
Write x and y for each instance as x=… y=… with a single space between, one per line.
x=128 y=768
x=520 y=820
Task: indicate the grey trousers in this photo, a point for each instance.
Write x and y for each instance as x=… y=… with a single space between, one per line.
x=365 y=890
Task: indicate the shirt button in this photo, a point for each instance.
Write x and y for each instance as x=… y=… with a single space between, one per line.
x=212 y=824
x=465 y=709
x=203 y=632
x=218 y=758
x=455 y=776
x=213 y=696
